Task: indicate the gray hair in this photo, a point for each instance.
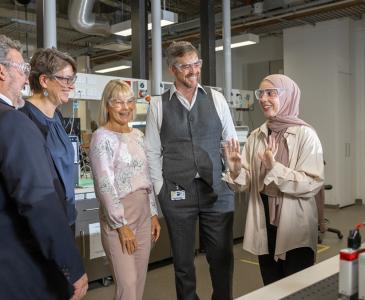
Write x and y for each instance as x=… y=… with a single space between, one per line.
x=178 y=49
x=6 y=44
x=48 y=62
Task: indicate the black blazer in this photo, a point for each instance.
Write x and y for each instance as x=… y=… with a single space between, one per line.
x=38 y=255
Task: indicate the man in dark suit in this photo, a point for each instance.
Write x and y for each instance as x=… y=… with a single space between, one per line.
x=38 y=255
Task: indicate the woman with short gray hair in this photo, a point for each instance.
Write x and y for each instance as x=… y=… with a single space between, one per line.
x=51 y=80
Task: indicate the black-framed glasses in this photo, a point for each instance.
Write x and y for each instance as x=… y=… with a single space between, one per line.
x=118 y=103
x=270 y=93
x=70 y=80
x=22 y=67
x=186 y=67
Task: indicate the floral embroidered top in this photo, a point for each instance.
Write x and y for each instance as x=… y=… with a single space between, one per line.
x=119 y=166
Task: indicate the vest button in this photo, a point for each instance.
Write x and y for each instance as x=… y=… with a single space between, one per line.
x=191 y=119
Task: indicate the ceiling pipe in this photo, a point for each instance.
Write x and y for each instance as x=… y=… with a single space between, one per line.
x=296 y=12
x=243 y=14
x=156 y=48
x=116 y=4
x=82 y=19
x=49 y=24
x=292 y=12
x=227 y=50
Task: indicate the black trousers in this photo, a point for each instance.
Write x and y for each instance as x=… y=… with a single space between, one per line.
x=296 y=260
x=216 y=232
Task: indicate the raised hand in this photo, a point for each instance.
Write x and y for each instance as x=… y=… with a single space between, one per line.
x=233 y=157
x=268 y=157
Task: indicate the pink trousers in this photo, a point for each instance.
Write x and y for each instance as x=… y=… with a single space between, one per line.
x=130 y=271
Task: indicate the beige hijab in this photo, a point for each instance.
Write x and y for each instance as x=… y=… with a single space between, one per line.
x=286 y=117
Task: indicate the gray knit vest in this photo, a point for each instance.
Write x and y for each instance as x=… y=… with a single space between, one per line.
x=191 y=144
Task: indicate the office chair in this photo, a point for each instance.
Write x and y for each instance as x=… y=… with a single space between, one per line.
x=329 y=229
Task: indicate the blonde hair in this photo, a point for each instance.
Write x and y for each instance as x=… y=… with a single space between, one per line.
x=112 y=90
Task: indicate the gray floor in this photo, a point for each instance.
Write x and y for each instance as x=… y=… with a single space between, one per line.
x=160 y=281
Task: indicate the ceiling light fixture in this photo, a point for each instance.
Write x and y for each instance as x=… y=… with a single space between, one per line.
x=113 y=66
x=125 y=28
x=239 y=41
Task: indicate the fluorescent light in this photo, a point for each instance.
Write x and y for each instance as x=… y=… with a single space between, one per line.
x=125 y=32
x=113 y=66
x=125 y=28
x=107 y=70
x=239 y=41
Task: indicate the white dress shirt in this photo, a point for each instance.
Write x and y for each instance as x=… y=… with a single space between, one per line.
x=6 y=99
x=154 y=122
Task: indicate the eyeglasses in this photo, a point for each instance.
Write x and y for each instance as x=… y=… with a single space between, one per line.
x=186 y=67
x=67 y=81
x=118 y=103
x=22 y=67
x=271 y=93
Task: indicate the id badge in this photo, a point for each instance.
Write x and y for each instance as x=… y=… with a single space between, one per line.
x=177 y=195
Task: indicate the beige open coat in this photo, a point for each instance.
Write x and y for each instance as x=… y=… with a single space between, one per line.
x=300 y=182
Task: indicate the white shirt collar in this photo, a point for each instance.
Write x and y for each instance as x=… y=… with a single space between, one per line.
x=173 y=89
x=6 y=99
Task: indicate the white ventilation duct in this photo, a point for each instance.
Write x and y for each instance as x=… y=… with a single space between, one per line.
x=83 y=20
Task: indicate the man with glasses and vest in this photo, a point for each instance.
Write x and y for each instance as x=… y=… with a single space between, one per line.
x=38 y=255
x=185 y=129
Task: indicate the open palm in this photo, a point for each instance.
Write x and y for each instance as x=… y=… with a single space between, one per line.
x=268 y=157
x=233 y=157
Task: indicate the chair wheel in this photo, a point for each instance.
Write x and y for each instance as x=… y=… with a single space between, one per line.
x=106 y=281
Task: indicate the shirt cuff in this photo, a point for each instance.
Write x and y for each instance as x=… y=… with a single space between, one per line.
x=241 y=179
x=118 y=225
x=239 y=184
x=158 y=186
x=274 y=173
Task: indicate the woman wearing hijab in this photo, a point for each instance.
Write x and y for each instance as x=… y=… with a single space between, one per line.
x=281 y=165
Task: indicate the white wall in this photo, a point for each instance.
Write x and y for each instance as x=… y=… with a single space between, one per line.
x=318 y=58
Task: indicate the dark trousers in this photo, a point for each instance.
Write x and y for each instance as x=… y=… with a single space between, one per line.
x=215 y=231
x=296 y=260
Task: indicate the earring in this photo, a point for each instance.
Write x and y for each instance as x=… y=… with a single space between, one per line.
x=45 y=93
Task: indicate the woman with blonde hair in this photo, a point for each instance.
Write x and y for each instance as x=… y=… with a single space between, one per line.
x=128 y=213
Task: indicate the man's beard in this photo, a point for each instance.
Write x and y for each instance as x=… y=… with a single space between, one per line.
x=187 y=83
